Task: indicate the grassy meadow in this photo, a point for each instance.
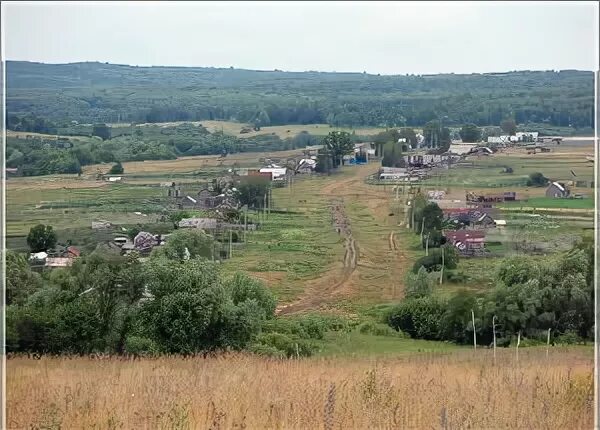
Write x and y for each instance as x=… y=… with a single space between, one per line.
x=462 y=389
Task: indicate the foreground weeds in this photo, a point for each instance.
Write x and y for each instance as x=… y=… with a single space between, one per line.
x=458 y=390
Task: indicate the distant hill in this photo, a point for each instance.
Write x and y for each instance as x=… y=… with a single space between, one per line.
x=97 y=92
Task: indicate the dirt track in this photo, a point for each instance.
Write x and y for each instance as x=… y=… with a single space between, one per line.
x=373 y=262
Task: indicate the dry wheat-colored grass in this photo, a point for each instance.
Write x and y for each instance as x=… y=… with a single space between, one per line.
x=460 y=390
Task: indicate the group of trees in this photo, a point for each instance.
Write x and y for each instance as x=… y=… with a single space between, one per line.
x=42 y=156
x=177 y=301
x=531 y=296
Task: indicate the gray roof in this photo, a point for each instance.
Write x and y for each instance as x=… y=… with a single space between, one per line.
x=204 y=223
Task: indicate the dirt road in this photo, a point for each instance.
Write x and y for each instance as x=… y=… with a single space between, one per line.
x=374 y=262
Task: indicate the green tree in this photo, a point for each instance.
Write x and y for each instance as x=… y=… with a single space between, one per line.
x=470 y=133
x=41 y=238
x=101 y=130
x=418 y=284
x=116 y=169
x=253 y=190
x=509 y=126
x=537 y=179
x=20 y=280
x=436 y=136
x=186 y=243
x=338 y=144
x=242 y=288
x=430 y=216
x=392 y=155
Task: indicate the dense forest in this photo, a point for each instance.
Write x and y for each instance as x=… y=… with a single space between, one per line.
x=109 y=93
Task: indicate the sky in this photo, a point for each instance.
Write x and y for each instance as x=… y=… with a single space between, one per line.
x=385 y=37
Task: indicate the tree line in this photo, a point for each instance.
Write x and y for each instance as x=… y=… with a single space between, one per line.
x=91 y=93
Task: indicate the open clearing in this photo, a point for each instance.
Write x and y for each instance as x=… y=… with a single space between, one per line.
x=457 y=390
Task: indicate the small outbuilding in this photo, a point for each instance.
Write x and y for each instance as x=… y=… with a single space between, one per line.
x=557 y=190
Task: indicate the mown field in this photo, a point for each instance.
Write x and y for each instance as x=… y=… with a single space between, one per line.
x=423 y=390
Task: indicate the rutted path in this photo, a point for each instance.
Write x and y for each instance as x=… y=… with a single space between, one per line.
x=341 y=224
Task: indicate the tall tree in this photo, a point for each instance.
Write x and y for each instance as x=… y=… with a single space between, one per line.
x=41 y=237
x=102 y=131
x=509 y=126
x=435 y=135
x=470 y=133
x=338 y=144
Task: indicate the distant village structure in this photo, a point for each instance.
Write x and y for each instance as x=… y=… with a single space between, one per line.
x=557 y=190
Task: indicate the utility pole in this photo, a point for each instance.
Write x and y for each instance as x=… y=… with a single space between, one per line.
x=474 y=331
x=230 y=247
x=422 y=225
x=427 y=245
x=548 y=342
x=518 y=343
x=494 y=333
x=442 y=271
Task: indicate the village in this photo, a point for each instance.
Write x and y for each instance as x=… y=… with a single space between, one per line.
x=221 y=207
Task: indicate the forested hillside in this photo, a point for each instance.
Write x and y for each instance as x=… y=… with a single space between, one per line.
x=96 y=92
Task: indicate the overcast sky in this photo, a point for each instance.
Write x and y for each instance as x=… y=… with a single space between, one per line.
x=386 y=38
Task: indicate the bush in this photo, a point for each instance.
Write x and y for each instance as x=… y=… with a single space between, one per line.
x=140 y=346
x=116 y=169
x=378 y=329
x=419 y=318
x=433 y=261
x=310 y=326
x=289 y=345
x=537 y=180
x=266 y=350
x=569 y=337
x=419 y=284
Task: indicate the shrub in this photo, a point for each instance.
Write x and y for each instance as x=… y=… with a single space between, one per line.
x=419 y=318
x=378 y=329
x=433 y=261
x=419 y=284
x=569 y=337
x=537 y=180
x=140 y=346
x=266 y=350
x=116 y=169
x=289 y=345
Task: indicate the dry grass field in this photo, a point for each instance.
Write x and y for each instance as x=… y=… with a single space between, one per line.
x=458 y=390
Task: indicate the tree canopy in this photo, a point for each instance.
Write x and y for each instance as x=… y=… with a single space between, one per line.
x=41 y=238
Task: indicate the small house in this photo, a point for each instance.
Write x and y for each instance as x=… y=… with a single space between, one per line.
x=58 y=262
x=557 y=190
x=203 y=223
x=467 y=242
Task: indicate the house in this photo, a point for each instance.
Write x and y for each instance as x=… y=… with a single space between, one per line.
x=557 y=190
x=469 y=216
x=144 y=242
x=468 y=242
x=72 y=252
x=37 y=257
x=58 y=262
x=203 y=223
x=527 y=136
x=313 y=150
x=502 y=140
x=509 y=196
x=277 y=173
x=10 y=171
x=461 y=148
x=100 y=225
x=481 y=150
x=500 y=223
x=114 y=179
x=188 y=202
